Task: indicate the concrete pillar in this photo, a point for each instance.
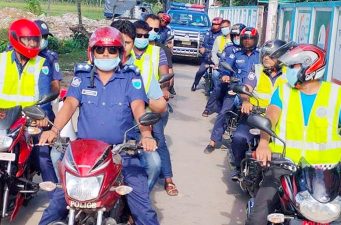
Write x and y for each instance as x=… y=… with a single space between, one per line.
x=271 y=24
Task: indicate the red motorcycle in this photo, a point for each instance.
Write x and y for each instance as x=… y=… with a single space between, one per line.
x=90 y=175
x=16 y=143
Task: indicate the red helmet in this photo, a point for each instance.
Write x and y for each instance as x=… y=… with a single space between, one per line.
x=312 y=59
x=217 y=21
x=249 y=33
x=24 y=28
x=166 y=18
x=106 y=36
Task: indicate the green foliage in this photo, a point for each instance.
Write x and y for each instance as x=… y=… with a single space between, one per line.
x=34 y=7
x=3 y=39
x=78 y=43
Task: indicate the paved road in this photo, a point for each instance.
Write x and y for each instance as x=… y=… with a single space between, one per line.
x=206 y=196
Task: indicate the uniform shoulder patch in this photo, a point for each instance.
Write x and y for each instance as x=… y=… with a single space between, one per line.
x=45 y=70
x=56 y=66
x=82 y=67
x=232 y=56
x=251 y=75
x=76 y=81
x=137 y=83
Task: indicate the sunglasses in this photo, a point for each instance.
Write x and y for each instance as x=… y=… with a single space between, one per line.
x=155 y=29
x=101 y=49
x=142 y=35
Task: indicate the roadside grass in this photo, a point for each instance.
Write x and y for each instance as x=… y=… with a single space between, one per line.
x=58 y=8
x=68 y=60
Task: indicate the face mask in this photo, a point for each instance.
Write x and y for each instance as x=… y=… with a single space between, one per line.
x=141 y=43
x=292 y=76
x=236 y=41
x=153 y=35
x=107 y=64
x=43 y=44
x=225 y=30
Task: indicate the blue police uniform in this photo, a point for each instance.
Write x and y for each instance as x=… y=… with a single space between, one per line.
x=208 y=45
x=215 y=100
x=105 y=114
x=164 y=33
x=242 y=64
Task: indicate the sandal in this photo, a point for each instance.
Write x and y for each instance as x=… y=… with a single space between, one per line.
x=171 y=189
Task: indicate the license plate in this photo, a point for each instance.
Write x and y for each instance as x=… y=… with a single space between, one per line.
x=7 y=157
x=186 y=43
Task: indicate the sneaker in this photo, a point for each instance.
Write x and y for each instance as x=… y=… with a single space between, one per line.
x=194 y=87
x=235 y=175
x=205 y=113
x=209 y=149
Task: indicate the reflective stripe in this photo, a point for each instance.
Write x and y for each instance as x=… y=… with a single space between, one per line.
x=156 y=61
x=311 y=146
x=145 y=73
x=18 y=98
x=331 y=109
x=2 y=70
x=283 y=126
x=263 y=96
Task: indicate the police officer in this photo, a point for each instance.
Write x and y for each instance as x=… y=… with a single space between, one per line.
x=35 y=73
x=110 y=97
x=206 y=48
x=242 y=62
x=262 y=81
x=165 y=30
x=215 y=100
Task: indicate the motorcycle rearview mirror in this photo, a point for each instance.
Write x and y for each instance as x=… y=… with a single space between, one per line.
x=227 y=66
x=47 y=98
x=264 y=124
x=34 y=112
x=276 y=218
x=165 y=78
x=242 y=89
x=149 y=118
x=219 y=54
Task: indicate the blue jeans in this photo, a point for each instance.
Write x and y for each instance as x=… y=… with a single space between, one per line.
x=138 y=200
x=152 y=163
x=159 y=135
x=214 y=102
x=240 y=142
x=202 y=70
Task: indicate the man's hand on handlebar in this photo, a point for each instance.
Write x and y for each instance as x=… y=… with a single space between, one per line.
x=49 y=136
x=246 y=107
x=148 y=144
x=225 y=79
x=263 y=153
x=2 y=115
x=202 y=50
x=41 y=123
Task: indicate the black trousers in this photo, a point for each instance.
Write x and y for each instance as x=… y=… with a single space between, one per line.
x=267 y=198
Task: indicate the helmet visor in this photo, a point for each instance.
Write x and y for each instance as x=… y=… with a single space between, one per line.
x=298 y=56
x=31 y=42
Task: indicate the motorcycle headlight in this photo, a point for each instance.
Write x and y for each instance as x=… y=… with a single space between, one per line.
x=316 y=211
x=83 y=188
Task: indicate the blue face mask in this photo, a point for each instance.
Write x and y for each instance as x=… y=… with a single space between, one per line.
x=43 y=44
x=141 y=43
x=225 y=30
x=292 y=76
x=153 y=35
x=236 y=41
x=107 y=64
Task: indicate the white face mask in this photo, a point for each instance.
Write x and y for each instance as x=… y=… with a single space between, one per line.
x=43 y=44
x=225 y=30
x=107 y=64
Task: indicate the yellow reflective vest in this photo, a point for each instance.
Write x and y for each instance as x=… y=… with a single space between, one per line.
x=264 y=88
x=19 y=90
x=222 y=40
x=148 y=64
x=318 y=143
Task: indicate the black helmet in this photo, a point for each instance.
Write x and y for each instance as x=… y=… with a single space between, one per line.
x=270 y=47
x=249 y=33
x=235 y=31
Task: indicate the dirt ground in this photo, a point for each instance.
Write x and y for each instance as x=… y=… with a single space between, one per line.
x=58 y=25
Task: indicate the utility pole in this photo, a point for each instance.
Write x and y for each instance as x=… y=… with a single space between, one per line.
x=271 y=24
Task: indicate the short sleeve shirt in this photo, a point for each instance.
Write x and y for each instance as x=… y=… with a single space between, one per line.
x=105 y=110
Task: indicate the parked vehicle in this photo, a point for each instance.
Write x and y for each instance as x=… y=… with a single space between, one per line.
x=16 y=146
